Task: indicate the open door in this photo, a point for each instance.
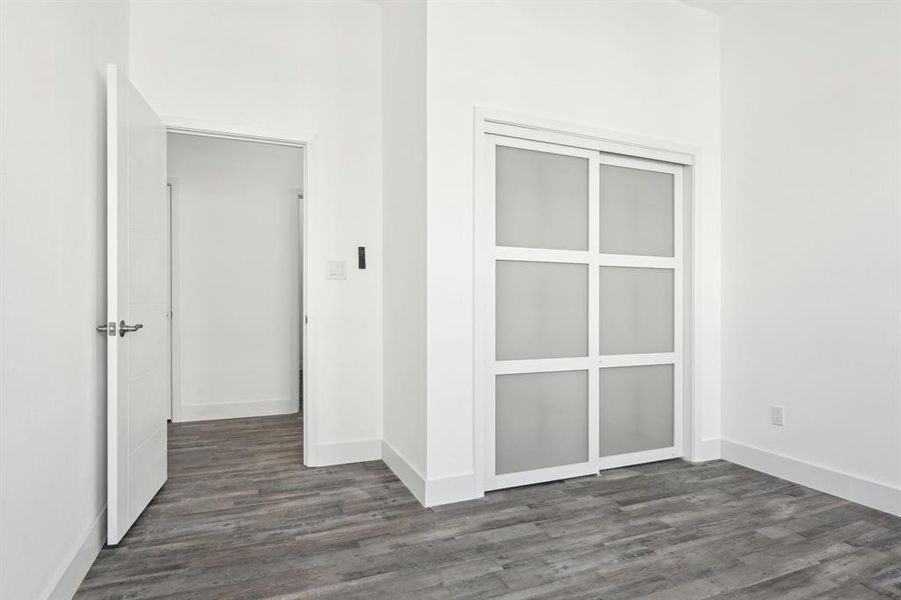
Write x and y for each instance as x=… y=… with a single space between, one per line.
x=137 y=304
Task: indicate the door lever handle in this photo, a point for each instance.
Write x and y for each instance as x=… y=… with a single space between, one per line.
x=123 y=328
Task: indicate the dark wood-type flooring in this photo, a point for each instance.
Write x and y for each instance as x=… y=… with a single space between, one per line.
x=241 y=518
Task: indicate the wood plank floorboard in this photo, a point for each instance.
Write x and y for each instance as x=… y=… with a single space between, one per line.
x=240 y=517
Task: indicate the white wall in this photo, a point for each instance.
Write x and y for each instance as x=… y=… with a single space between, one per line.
x=812 y=171
x=300 y=68
x=237 y=240
x=53 y=288
x=643 y=68
x=404 y=235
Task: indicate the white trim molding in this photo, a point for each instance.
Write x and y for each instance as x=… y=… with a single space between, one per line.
x=706 y=450
x=455 y=488
x=341 y=453
x=70 y=575
x=512 y=124
x=429 y=492
x=237 y=131
x=403 y=470
x=875 y=494
x=235 y=410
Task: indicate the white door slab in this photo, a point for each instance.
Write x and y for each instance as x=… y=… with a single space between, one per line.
x=137 y=294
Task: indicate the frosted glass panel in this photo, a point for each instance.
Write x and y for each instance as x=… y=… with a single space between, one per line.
x=636 y=212
x=541 y=420
x=542 y=310
x=542 y=199
x=636 y=310
x=636 y=409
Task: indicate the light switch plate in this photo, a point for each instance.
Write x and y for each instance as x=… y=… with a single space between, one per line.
x=336 y=269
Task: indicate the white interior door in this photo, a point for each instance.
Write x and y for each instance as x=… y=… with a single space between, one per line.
x=137 y=325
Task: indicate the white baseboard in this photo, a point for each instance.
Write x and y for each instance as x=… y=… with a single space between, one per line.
x=429 y=492
x=235 y=410
x=706 y=450
x=446 y=490
x=404 y=471
x=71 y=574
x=875 y=494
x=340 y=453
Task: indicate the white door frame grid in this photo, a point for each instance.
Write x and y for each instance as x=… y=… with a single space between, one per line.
x=309 y=338
x=665 y=358
x=489 y=123
x=587 y=363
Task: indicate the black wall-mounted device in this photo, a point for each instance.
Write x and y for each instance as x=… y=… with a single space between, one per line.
x=361 y=257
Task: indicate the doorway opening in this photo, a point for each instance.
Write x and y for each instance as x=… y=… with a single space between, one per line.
x=237 y=288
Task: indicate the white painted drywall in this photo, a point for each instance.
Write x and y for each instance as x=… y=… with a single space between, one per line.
x=53 y=288
x=404 y=229
x=812 y=187
x=305 y=69
x=237 y=239
x=643 y=68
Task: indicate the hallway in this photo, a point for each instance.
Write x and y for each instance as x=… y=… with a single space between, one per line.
x=241 y=518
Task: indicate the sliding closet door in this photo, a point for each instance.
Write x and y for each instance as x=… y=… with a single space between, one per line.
x=639 y=311
x=543 y=415
x=585 y=291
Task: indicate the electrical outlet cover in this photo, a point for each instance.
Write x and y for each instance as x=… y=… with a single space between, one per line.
x=777 y=415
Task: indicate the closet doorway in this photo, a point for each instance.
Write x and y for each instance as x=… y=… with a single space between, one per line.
x=580 y=296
